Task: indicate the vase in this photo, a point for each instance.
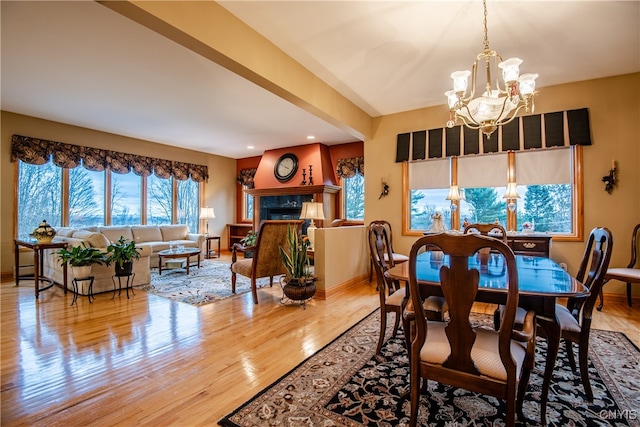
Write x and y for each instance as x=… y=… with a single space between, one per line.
x=44 y=233
x=81 y=271
x=124 y=269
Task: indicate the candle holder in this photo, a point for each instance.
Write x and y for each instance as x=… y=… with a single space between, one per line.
x=610 y=180
x=310 y=176
x=304 y=177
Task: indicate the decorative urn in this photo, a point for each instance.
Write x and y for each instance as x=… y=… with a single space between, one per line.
x=44 y=233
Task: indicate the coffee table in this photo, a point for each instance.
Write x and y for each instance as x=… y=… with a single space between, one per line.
x=186 y=253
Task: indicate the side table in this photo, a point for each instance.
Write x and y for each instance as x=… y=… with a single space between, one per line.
x=75 y=281
x=38 y=252
x=128 y=283
x=212 y=254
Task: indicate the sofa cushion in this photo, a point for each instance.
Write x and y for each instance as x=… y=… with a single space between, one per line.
x=65 y=231
x=146 y=233
x=114 y=233
x=174 y=232
x=96 y=240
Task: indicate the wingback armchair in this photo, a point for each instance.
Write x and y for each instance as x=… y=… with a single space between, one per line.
x=266 y=261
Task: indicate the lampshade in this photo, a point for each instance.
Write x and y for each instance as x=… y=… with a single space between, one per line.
x=312 y=210
x=207 y=213
x=454 y=194
x=512 y=191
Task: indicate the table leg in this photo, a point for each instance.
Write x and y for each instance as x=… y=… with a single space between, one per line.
x=17 y=259
x=552 y=330
x=159 y=265
x=36 y=270
x=198 y=261
x=188 y=262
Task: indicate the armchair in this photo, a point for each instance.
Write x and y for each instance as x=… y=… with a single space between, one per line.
x=266 y=261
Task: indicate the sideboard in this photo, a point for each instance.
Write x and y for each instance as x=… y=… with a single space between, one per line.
x=534 y=244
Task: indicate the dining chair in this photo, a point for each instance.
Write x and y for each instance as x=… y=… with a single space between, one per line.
x=393 y=296
x=461 y=354
x=266 y=261
x=630 y=274
x=575 y=317
x=397 y=258
x=486 y=229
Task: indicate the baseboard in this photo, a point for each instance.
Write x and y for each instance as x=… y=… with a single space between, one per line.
x=620 y=299
x=342 y=287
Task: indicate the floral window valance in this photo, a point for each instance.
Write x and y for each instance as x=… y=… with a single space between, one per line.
x=347 y=168
x=245 y=177
x=39 y=151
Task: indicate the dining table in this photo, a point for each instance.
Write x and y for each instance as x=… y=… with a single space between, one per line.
x=541 y=282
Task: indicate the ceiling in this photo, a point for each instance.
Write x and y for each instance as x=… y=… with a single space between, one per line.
x=83 y=64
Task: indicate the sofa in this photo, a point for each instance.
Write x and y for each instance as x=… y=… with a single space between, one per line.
x=150 y=239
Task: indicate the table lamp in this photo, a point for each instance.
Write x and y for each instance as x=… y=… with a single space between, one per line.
x=207 y=213
x=312 y=211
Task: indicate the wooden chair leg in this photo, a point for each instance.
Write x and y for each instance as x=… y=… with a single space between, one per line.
x=570 y=356
x=584 y=368
x=383 y=328
x=629 y=293
x=254 y=290
x=233 y=282
x=396 y=323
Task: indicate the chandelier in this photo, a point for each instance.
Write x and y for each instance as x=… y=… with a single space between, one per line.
x=497 y=105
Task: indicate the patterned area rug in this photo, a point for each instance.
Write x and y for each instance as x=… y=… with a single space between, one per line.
x=211 y=282
x=345 y=384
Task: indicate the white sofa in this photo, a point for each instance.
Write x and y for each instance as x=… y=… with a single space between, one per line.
x=149 y=238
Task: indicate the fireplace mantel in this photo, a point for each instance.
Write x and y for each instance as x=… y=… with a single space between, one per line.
x=326 y=194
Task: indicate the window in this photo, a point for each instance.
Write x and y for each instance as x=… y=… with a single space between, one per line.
x=39 y=197
x=247 y=206
x=547 y=186
x=188 y=204
x=86 y=197
x=126 y=197
x=353 y=198
x=159 y=200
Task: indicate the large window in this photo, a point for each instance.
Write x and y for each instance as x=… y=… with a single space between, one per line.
x=77 y=197
x=547 y=186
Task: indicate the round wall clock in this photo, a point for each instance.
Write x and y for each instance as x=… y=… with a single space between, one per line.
x=286 y=167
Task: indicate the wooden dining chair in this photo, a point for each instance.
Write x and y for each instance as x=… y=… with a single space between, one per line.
x=458 y=353
x=492 y=230
x=575 y=318
x=630 y=274
x=396 y=257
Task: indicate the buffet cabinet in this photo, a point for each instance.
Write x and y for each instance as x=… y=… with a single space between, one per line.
x=530 y=244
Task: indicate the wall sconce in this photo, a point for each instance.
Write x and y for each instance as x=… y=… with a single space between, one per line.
x=610 y=180
x=454 y=196
x=385 y=190
x=312 y=211
x=207 y=213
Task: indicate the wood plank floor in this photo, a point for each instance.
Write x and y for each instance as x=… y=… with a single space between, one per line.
x=151 y=361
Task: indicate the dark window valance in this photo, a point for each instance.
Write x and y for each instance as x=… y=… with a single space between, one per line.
x=557 y=129
x=245 y=177
x=39 y=151
x=348 y=168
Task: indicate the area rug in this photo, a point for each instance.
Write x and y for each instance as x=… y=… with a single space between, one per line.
x=346 y=384
x=209 y=283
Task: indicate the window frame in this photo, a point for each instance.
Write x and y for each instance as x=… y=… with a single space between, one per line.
x=343 y=202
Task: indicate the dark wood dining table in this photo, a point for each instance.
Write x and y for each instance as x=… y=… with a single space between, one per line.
x=541 y=282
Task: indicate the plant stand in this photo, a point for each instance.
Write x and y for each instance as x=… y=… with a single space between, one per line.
x=297 y=293
x=75 y=281
x=128 y=283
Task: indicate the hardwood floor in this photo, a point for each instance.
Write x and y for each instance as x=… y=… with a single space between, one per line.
x=148 y=360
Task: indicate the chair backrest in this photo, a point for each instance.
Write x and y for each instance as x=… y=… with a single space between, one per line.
x=459 y=285
x=271 y=235
x=635 y=243
x=379 y=246
x=492 y=230
x=387 y=226
x=591 y=272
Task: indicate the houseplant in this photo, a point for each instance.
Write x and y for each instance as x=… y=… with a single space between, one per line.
x=81 y=258
x=248 y=241
x=299 y=282
x=122 y=254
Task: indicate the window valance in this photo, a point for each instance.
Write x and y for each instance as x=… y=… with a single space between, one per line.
x=548 y=130
x=347 y=168
x=39 y=151
x=245 y=177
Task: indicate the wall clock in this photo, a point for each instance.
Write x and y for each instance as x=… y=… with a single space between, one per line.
x=286 y=167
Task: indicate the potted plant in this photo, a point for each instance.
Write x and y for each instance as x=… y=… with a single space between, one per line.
x=249 y=241
x=81 y=258
x=299 y=282
x=122 y=254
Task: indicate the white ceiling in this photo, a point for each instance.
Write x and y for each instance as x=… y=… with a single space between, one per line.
x=83 y=64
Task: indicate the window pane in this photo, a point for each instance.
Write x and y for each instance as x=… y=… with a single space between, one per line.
x=484 y=205
x=39 y=197
x=547 y=208
x=126 y=195
x=188 y=204
x=159 y=202
x=248 y=206
x=354 y=197
x=86 y=197
x=425 y=203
